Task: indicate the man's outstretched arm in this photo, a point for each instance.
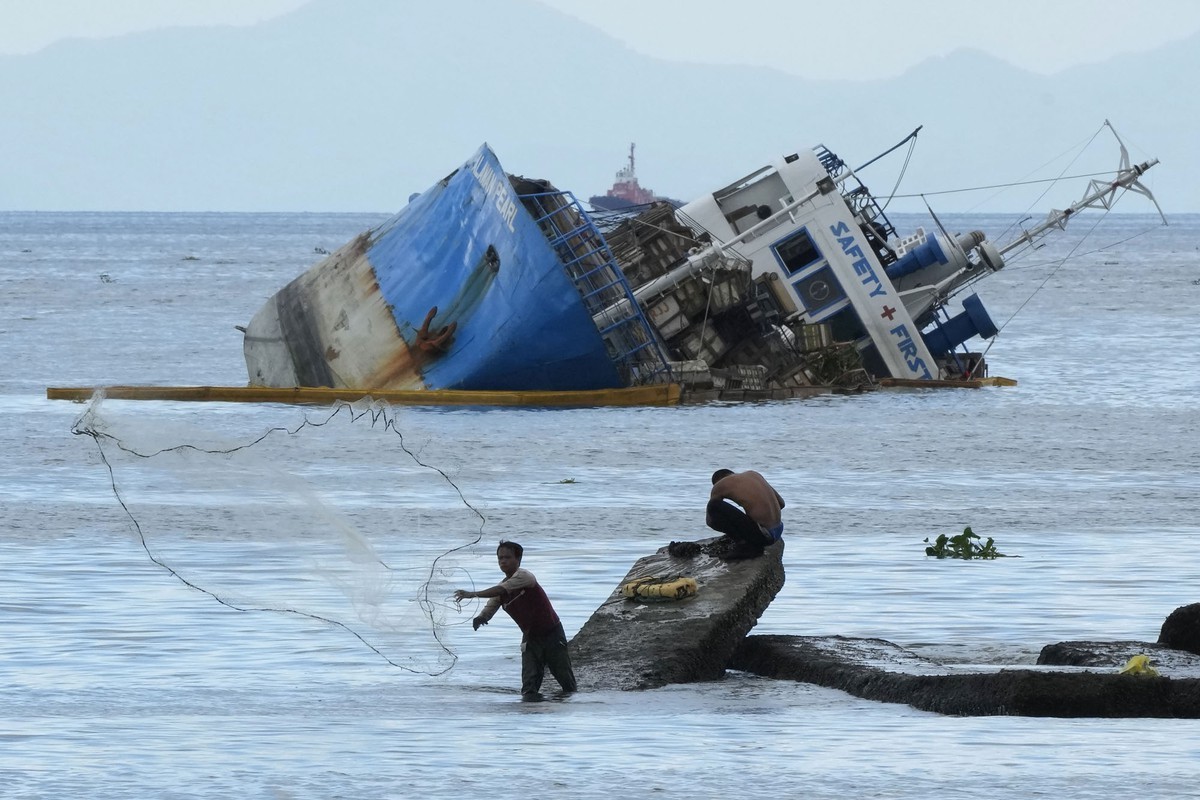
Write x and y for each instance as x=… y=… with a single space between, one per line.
x=492 y=591
x=494 y=595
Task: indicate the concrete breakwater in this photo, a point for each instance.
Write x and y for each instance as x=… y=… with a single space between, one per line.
x=636 y=644
x=630 y=644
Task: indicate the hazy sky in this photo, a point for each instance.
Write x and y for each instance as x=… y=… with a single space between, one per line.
x=878 y=39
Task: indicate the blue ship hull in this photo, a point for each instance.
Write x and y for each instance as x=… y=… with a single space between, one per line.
x=462 y=289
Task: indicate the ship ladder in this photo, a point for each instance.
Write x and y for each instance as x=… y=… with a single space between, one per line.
x=632 y=342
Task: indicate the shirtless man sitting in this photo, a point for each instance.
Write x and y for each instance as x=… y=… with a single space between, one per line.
x=757 y=523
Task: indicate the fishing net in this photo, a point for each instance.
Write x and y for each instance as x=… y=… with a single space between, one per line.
x=335 y=516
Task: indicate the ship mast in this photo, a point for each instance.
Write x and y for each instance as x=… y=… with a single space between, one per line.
x=627 y=174
x=1100 y=194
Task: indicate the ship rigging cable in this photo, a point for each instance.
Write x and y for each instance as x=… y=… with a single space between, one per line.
x=1078 y=150
x=912 y=145
x=1078 y=154
x=1099 y=194
x=1049 y=275
x=1010 y=185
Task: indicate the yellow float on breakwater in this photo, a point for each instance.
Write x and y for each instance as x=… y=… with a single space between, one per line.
x=659 y=588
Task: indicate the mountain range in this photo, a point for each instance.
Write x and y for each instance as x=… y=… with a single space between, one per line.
x=354 y=105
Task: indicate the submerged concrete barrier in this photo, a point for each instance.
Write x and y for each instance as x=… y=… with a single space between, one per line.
x=875 y=669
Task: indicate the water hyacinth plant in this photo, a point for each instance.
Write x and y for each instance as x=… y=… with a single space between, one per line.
x=964 y=545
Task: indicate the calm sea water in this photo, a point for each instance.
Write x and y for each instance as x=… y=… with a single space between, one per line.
x=118 y=680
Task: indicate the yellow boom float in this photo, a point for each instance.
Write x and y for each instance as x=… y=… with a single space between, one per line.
x=659 y=588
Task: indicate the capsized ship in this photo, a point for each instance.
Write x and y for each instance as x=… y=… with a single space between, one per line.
x=786 y=279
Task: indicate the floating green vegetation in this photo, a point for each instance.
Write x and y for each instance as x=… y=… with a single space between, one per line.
x=964 y=545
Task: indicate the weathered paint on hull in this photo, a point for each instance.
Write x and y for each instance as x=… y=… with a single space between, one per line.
x=330 y=327
x=460 y=290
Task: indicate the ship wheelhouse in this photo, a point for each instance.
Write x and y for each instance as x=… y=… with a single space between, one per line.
x=820 y=240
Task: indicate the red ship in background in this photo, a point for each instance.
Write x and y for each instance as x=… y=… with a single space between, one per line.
x=626 y=192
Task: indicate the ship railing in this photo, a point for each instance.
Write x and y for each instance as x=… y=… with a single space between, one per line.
x=632 y=342
x=865 y=207
x=829 y=160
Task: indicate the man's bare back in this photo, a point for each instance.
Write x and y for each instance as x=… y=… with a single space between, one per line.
x=751 y=491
